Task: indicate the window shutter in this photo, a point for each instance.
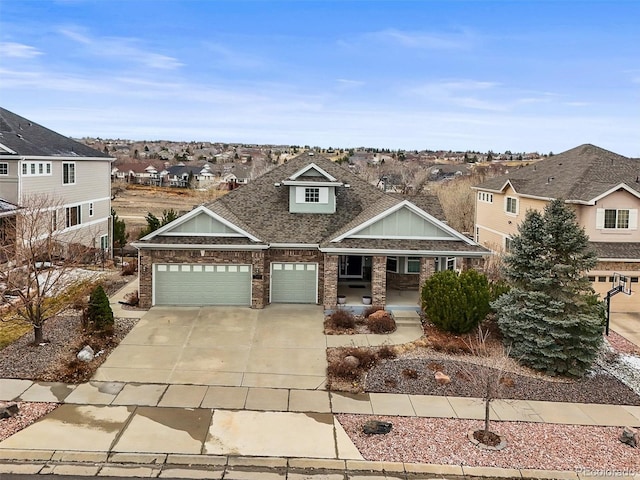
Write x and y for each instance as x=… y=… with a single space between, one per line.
x=599 y=218
x=299 y=194
x=324 y=195
x=633 y=219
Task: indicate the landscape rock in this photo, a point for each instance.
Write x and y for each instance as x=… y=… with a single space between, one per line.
x=9 y=410
x=630 y=436
x=86 y=354
x=351 y=361
x=379 y=314
x=376 y=427
x=441 y=378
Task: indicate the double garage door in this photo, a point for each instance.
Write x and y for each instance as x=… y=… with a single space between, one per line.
x=184 y=284
x=197 y=284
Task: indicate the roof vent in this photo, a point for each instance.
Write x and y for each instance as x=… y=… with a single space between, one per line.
x=550 y=179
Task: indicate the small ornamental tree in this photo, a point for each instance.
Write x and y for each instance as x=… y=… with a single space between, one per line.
x=551 y=318
x=456 y=303
x=99 y=311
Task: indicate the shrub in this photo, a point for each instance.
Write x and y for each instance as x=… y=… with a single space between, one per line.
x=99 y=311
x=386 y=352
x=132 y=298
x=380 y=322
x=129 y=268
x=456 y=303
x=342 y=319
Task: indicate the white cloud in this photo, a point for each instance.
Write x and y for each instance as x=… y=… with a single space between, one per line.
x=422 y=40
x=122 y=49
x=18 y=50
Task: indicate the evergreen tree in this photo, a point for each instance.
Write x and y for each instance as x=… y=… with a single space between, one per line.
x=99 y=311
x=551 y=317
x=119 y=231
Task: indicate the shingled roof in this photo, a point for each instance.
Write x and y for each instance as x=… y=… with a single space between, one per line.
x=577 y=175
x=20 y=136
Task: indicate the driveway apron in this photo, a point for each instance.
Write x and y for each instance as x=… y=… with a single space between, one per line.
x=281 y=346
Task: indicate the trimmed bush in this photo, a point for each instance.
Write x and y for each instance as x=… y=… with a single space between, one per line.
x=455 y=302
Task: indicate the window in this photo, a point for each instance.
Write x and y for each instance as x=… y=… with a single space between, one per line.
x=104 y=242
x=24 y=168
x=73 y=216
x=392 y=264
x=508 y=244
x=312 y=195
x=616 y=218
x=33 y=168
x=91 y=209
x=451 y=263
x=602 y=279
x=41 y=169
x=4 y=169
x=48 y=168
x=512 y=205
x=68 y=173
x=54 y=220
x=36 y=168
x=485 y=197
x=413 y=265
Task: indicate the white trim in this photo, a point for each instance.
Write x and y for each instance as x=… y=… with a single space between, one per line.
x=614 y=189
x=7 y=149
x=184 y=246
x=75 y=173
x=313 y=166
x=404 y=253
x=402 y=237
x=193 y=213
x=621 y=260
x=311 y=184
x=187 y=234
x=307 y=246
x=418 y=211
x=52 y=158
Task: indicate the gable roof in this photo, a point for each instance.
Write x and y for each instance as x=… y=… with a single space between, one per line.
x=19 y=136
x=580 y=175
x=7 y=208
x=261 y=210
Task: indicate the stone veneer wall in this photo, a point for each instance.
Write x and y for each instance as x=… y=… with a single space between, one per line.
x=402 y=281
x=617 y=266
x=379 y=281
x=330 y=281
x=294 y=256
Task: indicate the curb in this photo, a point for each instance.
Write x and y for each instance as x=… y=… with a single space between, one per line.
x=162 y=465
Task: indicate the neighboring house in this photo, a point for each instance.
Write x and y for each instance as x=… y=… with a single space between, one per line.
x=193 y=176
x=8 y=212
x=140 y=173
x=299 y=234
x=602 y=187
x=37 y=161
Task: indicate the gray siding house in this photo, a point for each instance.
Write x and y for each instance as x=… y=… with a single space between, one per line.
x=38 y=162
x=305 y=232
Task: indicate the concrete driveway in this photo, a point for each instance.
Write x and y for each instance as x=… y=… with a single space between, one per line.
x=281 y=346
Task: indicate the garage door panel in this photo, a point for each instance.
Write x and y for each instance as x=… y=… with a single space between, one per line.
x=202 y=285
x=294 y=283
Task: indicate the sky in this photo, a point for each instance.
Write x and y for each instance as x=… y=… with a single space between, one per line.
x=516 y=75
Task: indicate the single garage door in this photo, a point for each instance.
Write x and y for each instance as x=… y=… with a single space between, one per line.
x=187 y=284
x=294 y=283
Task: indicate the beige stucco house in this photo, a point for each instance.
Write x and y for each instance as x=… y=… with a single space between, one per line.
x=38 y=163
x=602 y=187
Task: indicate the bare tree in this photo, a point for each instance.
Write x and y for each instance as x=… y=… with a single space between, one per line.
x=488 y=376
x=458 y=202
x=41 y=278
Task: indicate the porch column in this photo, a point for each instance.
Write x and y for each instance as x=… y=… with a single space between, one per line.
x=330 y=281
x=145 y=266
x=379 y=281
x=426 y=270
x=258 y=280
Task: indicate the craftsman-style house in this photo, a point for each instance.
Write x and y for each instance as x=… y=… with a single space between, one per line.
x=305 y=232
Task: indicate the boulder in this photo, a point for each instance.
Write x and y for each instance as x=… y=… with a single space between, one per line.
x=86 y=354
x=9 y=410
x=441 y=378
x=376 y=427
x=379 y=314
x=351 y=361
x=630 y=436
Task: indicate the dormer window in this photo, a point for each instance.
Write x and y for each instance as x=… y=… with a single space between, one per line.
x=312 y=195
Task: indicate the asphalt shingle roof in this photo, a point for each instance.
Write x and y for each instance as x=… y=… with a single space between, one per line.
x=262 y=209
x=616 y=250
x=579 y=174
x=27 y=138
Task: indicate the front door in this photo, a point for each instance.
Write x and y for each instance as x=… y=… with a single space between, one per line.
x=351 y=266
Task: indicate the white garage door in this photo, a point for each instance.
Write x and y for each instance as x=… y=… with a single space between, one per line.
x=191 y=284
x=294 y=283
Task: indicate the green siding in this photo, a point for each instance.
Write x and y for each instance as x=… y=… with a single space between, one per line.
x=185 y=284
x=296 y=207
x=203 y=223
x=294 y=282
x=404 y=223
